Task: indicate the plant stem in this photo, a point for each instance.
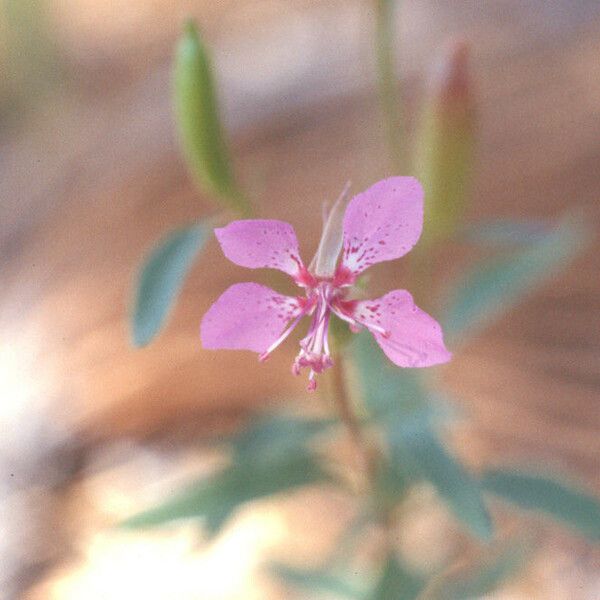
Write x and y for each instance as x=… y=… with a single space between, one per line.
x=367 y=453
x=370 y=456
x=337 y=389
x=389 y=92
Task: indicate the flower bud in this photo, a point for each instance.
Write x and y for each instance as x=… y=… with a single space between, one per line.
x=198 y=122
x=445 y=145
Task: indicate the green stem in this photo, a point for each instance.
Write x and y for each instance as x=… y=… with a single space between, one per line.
x=370 y=456
x=389 y=92
x=367 y=454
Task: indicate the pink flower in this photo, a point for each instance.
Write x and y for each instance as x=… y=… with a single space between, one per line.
x=383 y=223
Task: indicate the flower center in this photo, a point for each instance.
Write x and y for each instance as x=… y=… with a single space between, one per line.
x=314 y=347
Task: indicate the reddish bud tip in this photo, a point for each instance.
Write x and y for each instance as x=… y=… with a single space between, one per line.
x=450 y=81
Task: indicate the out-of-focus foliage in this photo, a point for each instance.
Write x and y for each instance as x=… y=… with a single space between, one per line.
x=408 y=417
x=400 y=396
x=258 y=469
x=215 y=498
x=531 y=491
x=396 y=581
x=423 y=454
x=317 y=582
x=489 y=572
x=277 y=434
x=494 y=286
x=161 y=278
x=504 y=233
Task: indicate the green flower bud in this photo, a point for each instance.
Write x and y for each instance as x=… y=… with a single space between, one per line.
x=199 y=126
x=445 y=145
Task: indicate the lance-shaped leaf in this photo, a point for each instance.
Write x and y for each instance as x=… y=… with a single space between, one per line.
x=445 y=144
x=318 y=582
x=409 y=413
x=277 y=434
x=472 y=581
x=198 y=121
x=349 y=538
x=495 y=286
x=161 y=278
x=397 y=581
x=505 y=233
x=215 y=498
x=423 y=456
x=573 y=507
x=396 y=395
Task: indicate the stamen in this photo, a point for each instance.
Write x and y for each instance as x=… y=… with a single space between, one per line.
x=314 y=347
x=262 y=357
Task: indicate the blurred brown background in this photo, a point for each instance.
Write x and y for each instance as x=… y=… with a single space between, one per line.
x=90 y=177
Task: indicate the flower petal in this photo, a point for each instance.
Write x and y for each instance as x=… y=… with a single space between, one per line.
x=382 y=223
x=247 y=316
x=261 y=243
x=408 y=336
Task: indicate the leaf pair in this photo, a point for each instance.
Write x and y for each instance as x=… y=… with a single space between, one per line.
x=403 y=407
x=258 y=469
x=395 y=581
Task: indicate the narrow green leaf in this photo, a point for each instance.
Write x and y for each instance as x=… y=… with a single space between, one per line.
x=422 y=454
x=505 y=233
x=161 y=278
x=215 y=498
x=409 y=412
x=317 y=582
x=397 y=582
x=495 y=286
x=347 y=541
x=277 y=434
x=198 y=121
x=394 y=395
x=477 y=580
x=202 y=499
x=572 y=506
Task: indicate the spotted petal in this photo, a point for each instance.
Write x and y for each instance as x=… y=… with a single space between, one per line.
x=247 y=316
x=261 y=243
x=408 y=336
x=382 y=223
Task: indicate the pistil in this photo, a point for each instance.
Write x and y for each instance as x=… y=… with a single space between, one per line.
x=314 y=348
